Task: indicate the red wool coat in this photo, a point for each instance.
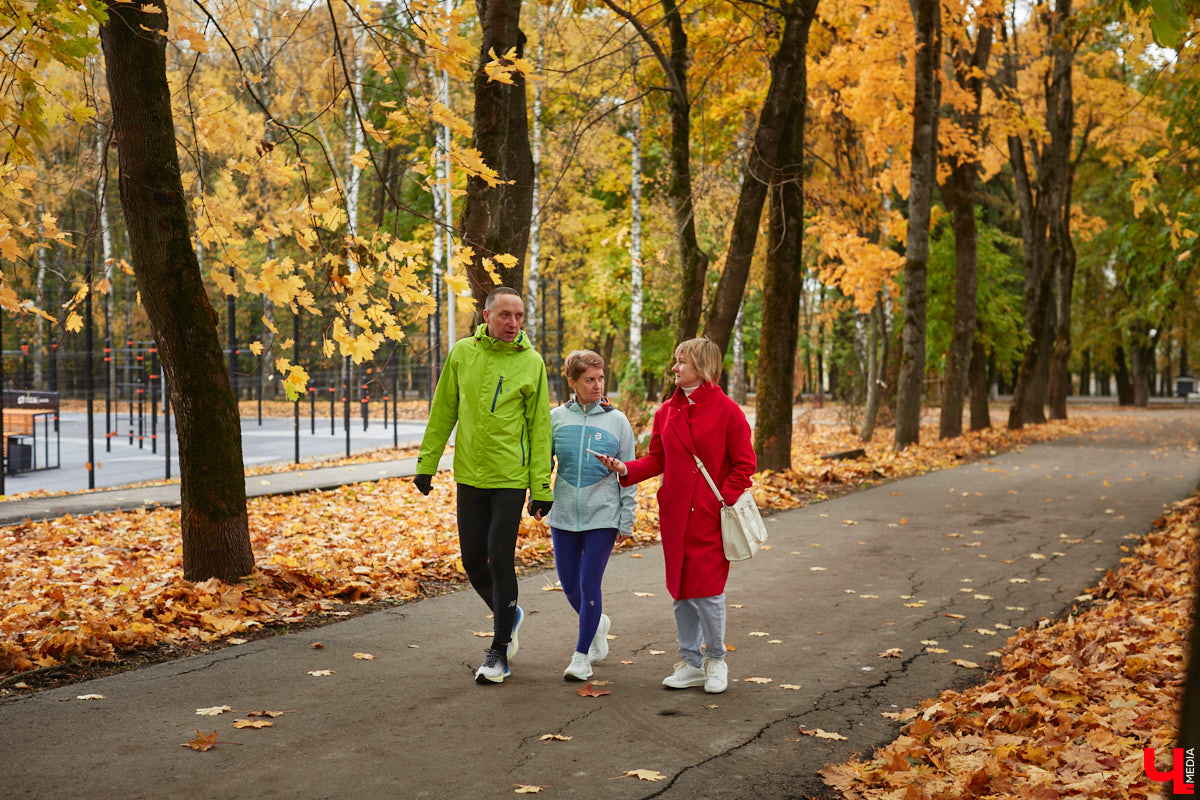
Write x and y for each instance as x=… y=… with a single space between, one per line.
x=715 y=429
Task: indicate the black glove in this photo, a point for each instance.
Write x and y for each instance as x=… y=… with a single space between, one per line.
x=424 y=483
x=540 y=507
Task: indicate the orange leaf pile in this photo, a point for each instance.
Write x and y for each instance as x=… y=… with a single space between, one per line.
x=1074 y=704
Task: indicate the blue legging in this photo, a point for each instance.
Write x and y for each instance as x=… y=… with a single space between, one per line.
x=580 y=558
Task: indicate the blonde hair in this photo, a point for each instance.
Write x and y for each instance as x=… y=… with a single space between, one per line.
x=705 y=356
x=579 y=362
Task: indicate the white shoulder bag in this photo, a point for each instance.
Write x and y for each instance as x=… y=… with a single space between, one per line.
x=742 y=528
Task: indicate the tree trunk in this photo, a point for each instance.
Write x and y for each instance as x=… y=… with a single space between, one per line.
x=923 y=173
x=1143 y=362
x=216 y=540
x=737 y=375
x=1045 y=227
x=874 y=369
x=1062 y=260
x=977 y=379
x=782 y=283
x=693 y=262
x=770 y=142
x=496 y=219
x=1124 y=381
x=634 y=373
x=535 y=222
x=958 y=192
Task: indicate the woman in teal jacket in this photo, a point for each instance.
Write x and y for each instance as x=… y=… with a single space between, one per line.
x=591 y=510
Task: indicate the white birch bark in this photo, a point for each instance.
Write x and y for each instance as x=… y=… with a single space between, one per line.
x=737 y=379
x=535 y=225
x=635 y=241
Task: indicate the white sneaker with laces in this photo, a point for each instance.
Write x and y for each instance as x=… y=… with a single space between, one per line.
x=685 y=676
x=716 y=675
x=599 y=649
x=494 y=668
x=580 y=669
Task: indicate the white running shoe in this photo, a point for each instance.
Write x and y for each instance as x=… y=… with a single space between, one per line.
x=512 y=642
x=494 y=668
x=599 y=648
x=685 y=676
x=580 y=669
x=716 y=675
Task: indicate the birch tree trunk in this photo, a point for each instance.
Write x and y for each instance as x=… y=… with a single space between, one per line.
x=634 y=372
x=874 y=369
x=216 y=541
x=927 y=20
x=535 y=222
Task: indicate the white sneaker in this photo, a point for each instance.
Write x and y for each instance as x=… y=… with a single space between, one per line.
x=716 y=675
x=580 y=669
x=685 y=676
x=512 y=642
x=599 y=649
x=494 y=668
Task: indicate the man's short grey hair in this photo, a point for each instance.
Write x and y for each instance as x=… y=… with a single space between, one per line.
x=498 y=292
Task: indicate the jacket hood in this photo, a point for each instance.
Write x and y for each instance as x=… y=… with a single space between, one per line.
x=601 y=407
x=520 y=343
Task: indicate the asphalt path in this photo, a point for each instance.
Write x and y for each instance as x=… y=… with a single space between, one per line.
x=999 y=544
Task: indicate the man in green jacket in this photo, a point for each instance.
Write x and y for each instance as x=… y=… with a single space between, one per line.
x=494 y=389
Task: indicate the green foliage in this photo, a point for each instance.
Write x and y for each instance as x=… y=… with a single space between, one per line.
x=998 y=301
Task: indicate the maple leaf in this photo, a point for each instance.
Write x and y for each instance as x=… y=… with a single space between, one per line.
x=266 y=713
x=252 y=723
x=74 y=322
x=364 y=656
x=527 y=789
x=321 y=673
x=591 y=691
x=90 y=697
x=554 y=737
x=643 y=594
x=757 y=680
x=213 y=711
x=644 y=774
x=821 y=734
x=202 y=742
x=891 y=652
x=256 y=348
x=962 y=662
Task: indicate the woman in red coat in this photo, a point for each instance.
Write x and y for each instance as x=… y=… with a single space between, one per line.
x=698 y=419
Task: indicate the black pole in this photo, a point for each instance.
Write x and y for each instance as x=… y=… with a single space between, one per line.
x=364 y=395
x=167 y=423
x=332 y=407
x=231 y=310
x=154 y=382
x=346 y=404
x=395 y=387
x=296 y=360
x=141 y=397
x=558 y=393
x=88 y=380
x=108 y=372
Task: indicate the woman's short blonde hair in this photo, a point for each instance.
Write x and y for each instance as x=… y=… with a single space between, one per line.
x=579 y=362
x=705 y=357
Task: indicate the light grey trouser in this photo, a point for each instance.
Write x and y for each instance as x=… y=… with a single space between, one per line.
x=701 y=619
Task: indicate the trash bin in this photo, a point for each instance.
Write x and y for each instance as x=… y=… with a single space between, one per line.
x=20 y=455
x=1184 y=385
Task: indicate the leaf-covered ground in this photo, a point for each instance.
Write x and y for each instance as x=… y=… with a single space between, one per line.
x=101 y=587
x=1072 y=704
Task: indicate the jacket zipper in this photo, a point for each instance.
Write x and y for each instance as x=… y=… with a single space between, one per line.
x=496 y=396
x=522 y=448
x=582 y=455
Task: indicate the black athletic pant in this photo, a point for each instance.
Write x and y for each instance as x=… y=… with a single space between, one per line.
x=488 y=521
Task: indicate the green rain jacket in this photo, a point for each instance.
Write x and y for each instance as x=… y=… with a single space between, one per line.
x=497 y=394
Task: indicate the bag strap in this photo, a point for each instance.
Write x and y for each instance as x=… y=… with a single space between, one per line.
x=704 y=471
x=708 y=478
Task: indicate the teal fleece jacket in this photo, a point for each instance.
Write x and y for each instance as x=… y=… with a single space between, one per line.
x=497 y=394
x=586 y=495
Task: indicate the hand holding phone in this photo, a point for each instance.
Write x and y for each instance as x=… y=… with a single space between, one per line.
x=611 y=462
